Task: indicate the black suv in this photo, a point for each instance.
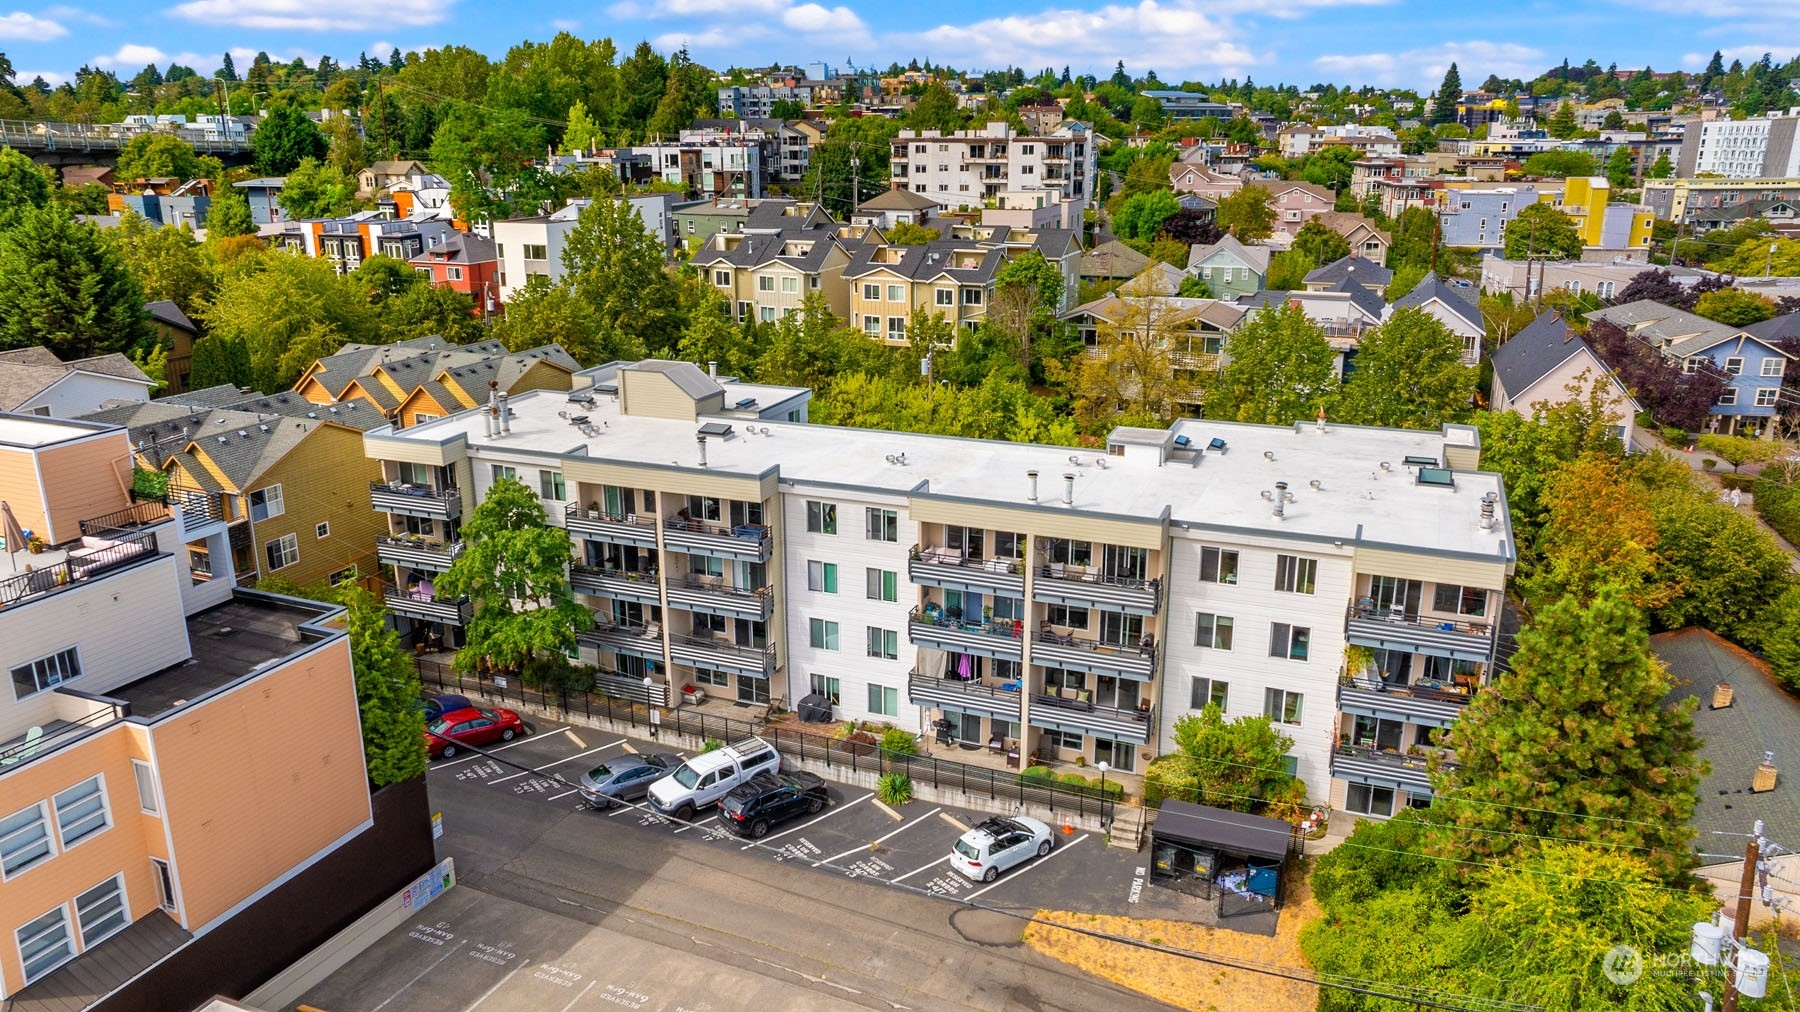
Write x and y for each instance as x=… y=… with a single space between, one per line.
x=767 y=798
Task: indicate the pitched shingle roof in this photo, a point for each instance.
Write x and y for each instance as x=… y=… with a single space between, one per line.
x=1353 y=268
x=27 y=372
x=1369 y=300
x=1113 y=260
x=802 y=248
x=1433 y=287
x=1671 y=331
x=1776 y=327
x=923 y=263
x=208 y=397
x=460 y=248
x=1535 y=352
x=1255 y=257
x=898 y=199
x=166 y=312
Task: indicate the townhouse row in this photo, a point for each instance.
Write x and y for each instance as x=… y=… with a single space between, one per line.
x=1345 y=581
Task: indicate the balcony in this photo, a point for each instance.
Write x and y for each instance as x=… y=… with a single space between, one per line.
x=416 y=552
x=75 y=716
x=1427 y=702
x=616 y=584
x=715 y=597
x=740 y=542
x=1054 y=650
x=60 y=569
x=947 y=568
x=137 y=516
x=957 y=694
x=1383 y=769
x=420 y=604
x=633 y=640
x=617 y=528
x=616 y=686
x=931 y=628
x=1086 y=587
x=1078 y=716
x=722 y=655
x=1395 y=630
x=415 y=500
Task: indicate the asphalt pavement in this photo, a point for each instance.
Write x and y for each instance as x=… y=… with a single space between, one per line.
x=558 y=902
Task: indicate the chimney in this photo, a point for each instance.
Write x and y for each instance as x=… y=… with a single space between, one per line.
x=1487 y=511
x=1069 y=488
x=1031 y=477
x=712 y=368
x=1764 y=779
x=1279 y=509
x=505 y=415
x=701 y=442
x=488 y=426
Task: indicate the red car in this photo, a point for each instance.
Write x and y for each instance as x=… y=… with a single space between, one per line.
x=470 y=726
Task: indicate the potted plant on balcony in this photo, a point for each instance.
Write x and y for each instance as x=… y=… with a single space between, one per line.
x=34 y=544
x=1357 y=661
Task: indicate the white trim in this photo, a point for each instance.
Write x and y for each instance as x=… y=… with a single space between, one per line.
x=105 y=811
x=155 y=788
x=68 y=927
x=124 y=904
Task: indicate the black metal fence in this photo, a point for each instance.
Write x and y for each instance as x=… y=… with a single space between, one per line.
x=857 y=757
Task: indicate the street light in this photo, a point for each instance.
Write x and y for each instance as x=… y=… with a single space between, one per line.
x=1103 y=767
x=650 y=704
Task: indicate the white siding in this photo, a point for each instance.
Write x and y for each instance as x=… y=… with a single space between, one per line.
x=79 y=393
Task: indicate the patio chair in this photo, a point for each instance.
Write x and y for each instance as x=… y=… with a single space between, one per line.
x=34 y=739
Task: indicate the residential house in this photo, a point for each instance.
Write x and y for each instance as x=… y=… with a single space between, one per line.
x=143 y=692
x=1548 y=362
x=767 y=272
x=1194 y=331
x=1186 y=106
x=894 y=207
x=949 y=277
x=1781 y=213
x=33 y=381
x=1606 y=279
x=1342 y=313
x=177 y=333
x=1298 y=203
x=467 y=263
x=1456 y=306
x=388 y=378
x=1371 y=141
x=74 y=177
x=1752 y=366
x=1229 y=267
x=1396 y=195
x=1366 y=241
x=1081 y=615
x=1478 y=219
x=458 y=386
x=1352 y=268
x=1112 y=261
x=1060 y=248
x=786 y=144
x=352 y=372
x=699 y=220
x=1042 y=119
x=385 y=174
x=424 y=195
x=1197 y=179
x=264 y=197
x=1365 y=171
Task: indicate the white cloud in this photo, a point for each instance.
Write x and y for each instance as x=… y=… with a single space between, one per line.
x=30 y=27
x=51 y=77
x=314 y=15
x=380 y=49
x=565 y=24
x=1748 y=54
x=816 y=20
x=63 y=12
x=1175 y=37
x=131 y=57
x=1424 y=68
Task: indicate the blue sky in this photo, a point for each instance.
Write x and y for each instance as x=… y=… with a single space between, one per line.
x=1383 y=42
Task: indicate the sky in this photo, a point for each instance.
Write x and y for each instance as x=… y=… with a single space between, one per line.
x=1390 y=43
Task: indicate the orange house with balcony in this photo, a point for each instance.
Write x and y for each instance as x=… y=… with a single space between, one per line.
x=467 y=263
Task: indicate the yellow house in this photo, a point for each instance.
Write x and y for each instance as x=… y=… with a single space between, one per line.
x=948 y=278
x=1601 y=223
x=767 y=276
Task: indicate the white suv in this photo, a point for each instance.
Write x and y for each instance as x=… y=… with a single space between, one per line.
x=709 y=776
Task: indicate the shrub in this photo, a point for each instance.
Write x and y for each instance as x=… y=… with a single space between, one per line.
x=899 y=742
x=1741 y=482
x=1073 y=778
x=1708 y=463
x=711 y=745
x=1036 y=773
x=1168 y=777
x=1674 y=436
x=894 y=789
x=1779 y=503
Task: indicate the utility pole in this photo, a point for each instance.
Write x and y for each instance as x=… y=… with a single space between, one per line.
x=1740 y=921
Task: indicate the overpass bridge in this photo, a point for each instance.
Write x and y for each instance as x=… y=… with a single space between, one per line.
x=61 y=144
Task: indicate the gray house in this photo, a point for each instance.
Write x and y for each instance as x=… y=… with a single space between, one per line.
x=1229 y=267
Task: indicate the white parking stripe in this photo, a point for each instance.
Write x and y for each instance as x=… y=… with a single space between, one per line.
x=915 y=871
x=564 y=794
x=558 y=762
x=580 y=996
x=496 y=987
x=803 y=825
x=1039 y=863
x=451 y=951
x=520 y=740
x=696 y=825
x=872 y=843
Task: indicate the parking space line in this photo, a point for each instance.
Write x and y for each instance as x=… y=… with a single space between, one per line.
x=697 y=825
x=1039 y=863
x=871 y=844
x=496 y=987
x=915 y=871
x=896 y=816
x=803 y=825
x=434 y=965
x=564 y=794
x=558 y=762
x=569 y=733
x=953 y=820
x=580 y=996
x=522 y=739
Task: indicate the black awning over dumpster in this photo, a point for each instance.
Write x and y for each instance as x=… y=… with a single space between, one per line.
x=1218 y=829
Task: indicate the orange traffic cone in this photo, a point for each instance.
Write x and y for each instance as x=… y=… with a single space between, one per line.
x=1068 y=826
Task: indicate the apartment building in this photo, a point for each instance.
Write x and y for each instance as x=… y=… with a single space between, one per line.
x=1188 y=106
x=1679 y=199
x=948 y=277
x=757 y=101
x=968 y=168
x=1073 y=603
x=709 y=165
x=1606 y=279
x=347 y=242
x=1478 y=219
x=1759 y=147
x=147 y=702
x=765 y=276
x=786 y=144
x=533 y=246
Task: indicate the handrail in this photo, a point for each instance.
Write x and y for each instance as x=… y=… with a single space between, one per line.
x=1392 y=758
x=1152 y=584
x=1414 y=690
x=74 y=568
x=576 y=511
x=1079 y=706
x=757 y=533
x=1008 y=628
x=416 y=491
x=1010 y=567
x=1394 y=617
x=140 y=514
x=972 y=688
x=712 y=644
x=1095 y=646
x=762 y=593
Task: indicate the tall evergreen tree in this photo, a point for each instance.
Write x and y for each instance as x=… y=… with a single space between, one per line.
x=1448 y=95
x=66 y=288
x=387 y=689
x=227 y=69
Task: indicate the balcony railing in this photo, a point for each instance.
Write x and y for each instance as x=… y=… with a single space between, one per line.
x=948 y=568
x=415 y=500
x=1081 y=585
x=131 y=518
x=620 y=528
x=1395 y=630
x=932 y=628
x=617 y=686
x=1369 y=765
x=704 y=652
x=1082 y=716
x=709 y=597
x=1428 y=702
x=55 y=734
x=735 y=541
x=416 y=553
x=423 y=606
x=619 y=584
x=637 y=641
x=84 y=561
x=997 y=700
x=1056 y=650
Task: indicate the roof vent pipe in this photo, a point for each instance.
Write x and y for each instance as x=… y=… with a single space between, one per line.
x=712 y=368
x=487 y=413
x=1069 y=489
x=1487 y=511
x=1321 y=422
x=505 y=416
x=1031 y=478
x=701 y=442
x=1279 y=507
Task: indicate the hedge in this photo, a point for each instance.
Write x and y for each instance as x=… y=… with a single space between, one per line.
x=1779 y=503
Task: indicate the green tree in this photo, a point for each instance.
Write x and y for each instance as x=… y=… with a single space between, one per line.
x=711 y=336
x=1542 y=232
x=486 y=155
x=1330 y=167
x=616 y=268
x=1562 y=122
x=1409 y=374
x=1729 y=571
x=935 y=110
x=1777 y=633
x=1043 y=280
x=580 y=131
x=543 y=313
x=908 y=234
x=424 y=310
x=1247 y=213
x=1738 y=450
x=1141 y=215
x=1406 y=278
x=165 y=260
x=316 y=189
x=219 y=360
x=1556 y=164
x=1598 y=531
x=1415 y=238
x=1230 y=764
x=67 y=289
x=513 y=568
x=288 y=311
x=1130 y=376
x=387 y=692
x=1577 y=742
x=1734 y=307
x=1619 y=170
x=1758 y=256
x=1528 y=451
x=1320 y=244
x=22 y=185
x=1282 y=370
x=284 y=138
x=1449 y=93
x=1193 y=287
x=229 y=215
x=1288 y=270
x=1662 y=168
x=156 y=155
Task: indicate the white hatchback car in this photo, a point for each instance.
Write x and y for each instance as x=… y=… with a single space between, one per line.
x=998 y=844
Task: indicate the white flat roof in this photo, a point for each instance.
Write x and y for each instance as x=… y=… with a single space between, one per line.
x=1355 y=499
x=26 y=430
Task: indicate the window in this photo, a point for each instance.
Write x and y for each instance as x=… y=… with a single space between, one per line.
x=1062 y=740
x=44 y=944
x=828 y=687
x=707 y=676
x=946 y=297
x=882 y=585
x=1282 y=705
x=1734 y=366
x=282 y=552
x=872 y=326
x=1459 y=600
x=1367 y=799
x=766 y=314
x=453 y=273
x=504 y=472
x=822 y=577
x=81 y=811
x=1070 y=552
x=1773 y=366
x=46 y=672
x=1765 y=396
x=821 y=517
x=896 y=328
x=1066 y=617
x=721 y=278
x=765 y=283
x=340 y=577
x=971 y=296
x=884 y=643
x=1218 y=565
x=882 y=525
x=1691 y=364
x=146 y=787
x=896 y=293
x=1207 y=691
x=871 y=293
x=1295 y=574
x=165 y=884
x=266 y=503
x=24 y=840
x=101 y=911
x=824 y=635
x=1009 y=545
x=1212 y=631
x=1289 y=641
x=1728 y=396
x=550 y=485
x=536 y=252
x=884 y=700
x=322 y=530
x=790 y=284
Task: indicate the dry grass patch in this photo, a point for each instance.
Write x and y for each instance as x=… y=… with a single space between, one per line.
x=1182 y=981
